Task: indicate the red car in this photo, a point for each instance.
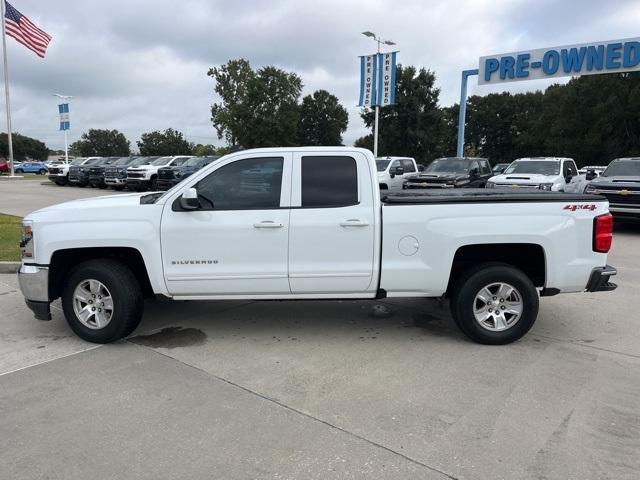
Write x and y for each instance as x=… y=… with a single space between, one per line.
x=4 y=166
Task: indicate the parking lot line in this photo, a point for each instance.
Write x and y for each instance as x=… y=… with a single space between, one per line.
x=92 y=347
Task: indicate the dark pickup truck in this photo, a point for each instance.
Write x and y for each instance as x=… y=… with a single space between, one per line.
x=452 y=172
x=620 y=184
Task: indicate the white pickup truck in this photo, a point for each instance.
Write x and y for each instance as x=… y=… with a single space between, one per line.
x=309 y=223
x=553 y=174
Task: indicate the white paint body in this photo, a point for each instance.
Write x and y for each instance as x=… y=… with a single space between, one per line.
x=577 y=183
x=395 y=182
x=293 y=252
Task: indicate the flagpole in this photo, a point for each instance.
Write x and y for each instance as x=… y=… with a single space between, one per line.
x=6 y=88
x=375 y=121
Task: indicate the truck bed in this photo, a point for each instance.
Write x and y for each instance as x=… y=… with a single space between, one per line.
x=483 y=195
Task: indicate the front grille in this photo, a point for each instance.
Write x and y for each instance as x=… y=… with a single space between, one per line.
x=518 y=185
x=135 y=174
x=54 y=171
x=622 y=199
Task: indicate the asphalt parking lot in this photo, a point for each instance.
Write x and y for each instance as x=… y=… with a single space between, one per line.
x=323 y=389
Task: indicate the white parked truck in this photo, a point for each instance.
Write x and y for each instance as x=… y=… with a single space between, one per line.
x=393 y=171
x=553 y=174
x=145 y=176
x=309 y=223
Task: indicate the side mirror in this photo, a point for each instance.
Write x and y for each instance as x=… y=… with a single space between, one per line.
x=421 y=168
x=399 y=171
x=568 y=178
x=474 y=172
x=189 y=199
x=591 y=174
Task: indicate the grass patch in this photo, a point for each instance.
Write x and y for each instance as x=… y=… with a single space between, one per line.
x=9 y=238
x=25 y=176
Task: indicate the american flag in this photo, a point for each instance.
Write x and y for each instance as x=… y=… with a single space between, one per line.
x=24 y=31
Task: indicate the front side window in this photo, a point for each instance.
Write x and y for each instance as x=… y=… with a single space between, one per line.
x=408 y=167
x=329 y=181
x=249 y=184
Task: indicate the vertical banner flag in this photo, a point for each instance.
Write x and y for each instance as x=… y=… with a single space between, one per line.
x=387 y=79
x=378 y=80
x=63 y=108
x=368 y=73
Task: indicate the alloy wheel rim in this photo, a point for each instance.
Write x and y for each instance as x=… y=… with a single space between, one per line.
x=498 y=306
x=93 y=304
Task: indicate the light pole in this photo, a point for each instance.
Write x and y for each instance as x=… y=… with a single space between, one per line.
x=66 y=142
x=377 y=107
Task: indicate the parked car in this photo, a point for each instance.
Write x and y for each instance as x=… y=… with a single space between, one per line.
x=59 y=174
x=452 y=172
x=393 y=171
x=79 y=173
x=4 y=166
x=96 y=172
x=309 y=223
x=172 y=175
x=620 y=184
x=31 y=167
x=553 y=174
x=115 y=175
x=592 y=171
x=498 y=168
x=144 y=177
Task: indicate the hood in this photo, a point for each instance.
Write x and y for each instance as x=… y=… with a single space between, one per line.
x=145 y=167
x=440 y=176
x=111 y=202
x=626 y=181
x=524 y=178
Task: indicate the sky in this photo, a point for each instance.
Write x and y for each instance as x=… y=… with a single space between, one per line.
x=141 y=65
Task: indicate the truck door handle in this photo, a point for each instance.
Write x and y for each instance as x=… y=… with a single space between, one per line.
x=354 y=222
x=268 y=224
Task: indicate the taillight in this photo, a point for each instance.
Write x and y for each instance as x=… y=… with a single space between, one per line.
x=602 y=233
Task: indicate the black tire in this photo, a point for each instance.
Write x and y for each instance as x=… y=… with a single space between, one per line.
x=153 y=184
x=463 y=298
x=119 y=188
x=128 y=304
x=42 y=171
x=18 y=170
x=61 y=182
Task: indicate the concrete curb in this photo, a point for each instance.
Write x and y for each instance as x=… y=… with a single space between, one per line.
x=9 y=267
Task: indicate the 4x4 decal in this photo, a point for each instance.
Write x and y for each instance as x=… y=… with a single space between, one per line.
x=591 y=207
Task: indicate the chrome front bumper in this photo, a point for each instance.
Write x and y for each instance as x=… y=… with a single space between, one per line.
x=34 y=285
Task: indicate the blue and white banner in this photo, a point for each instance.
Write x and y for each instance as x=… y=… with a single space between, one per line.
x=377 y=79
x=387 y=79
x=368 y=74
x=63 y=109
x=613 y=56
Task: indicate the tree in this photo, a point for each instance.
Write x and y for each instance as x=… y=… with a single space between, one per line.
x=414 y=125
x=257 y=108
x=201 y=150
x=169 y=142
x=322 y=120
x=101 y=143
x=23 y=147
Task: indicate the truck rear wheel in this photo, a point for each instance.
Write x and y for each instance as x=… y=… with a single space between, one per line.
x=494 y=304
x=102 y=301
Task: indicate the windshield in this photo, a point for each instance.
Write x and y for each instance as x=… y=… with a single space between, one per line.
x=193 y=161
x=159 y=161
x=382 y=165
x=93 y=161
x=124 y=161
x=77 y=161
x=455 y=165
x=536 y=167
x=623 y=168
x=179 y=161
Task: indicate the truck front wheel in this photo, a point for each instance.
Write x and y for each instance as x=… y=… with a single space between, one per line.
x=494 y=304
x=102 y=301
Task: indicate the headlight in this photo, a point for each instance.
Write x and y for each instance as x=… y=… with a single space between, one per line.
x=122 y=171
x=546 y=186
x=178 y=174
x=26 y=239
x=490 y=185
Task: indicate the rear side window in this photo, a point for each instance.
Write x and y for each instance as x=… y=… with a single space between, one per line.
x=408 y=167
x=486 y=168
x=329 y=182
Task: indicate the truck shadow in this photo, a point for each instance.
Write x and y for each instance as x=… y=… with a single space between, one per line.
x=181 y=324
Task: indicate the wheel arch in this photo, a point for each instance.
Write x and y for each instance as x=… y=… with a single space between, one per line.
x=64 y=260
x=528 y=257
